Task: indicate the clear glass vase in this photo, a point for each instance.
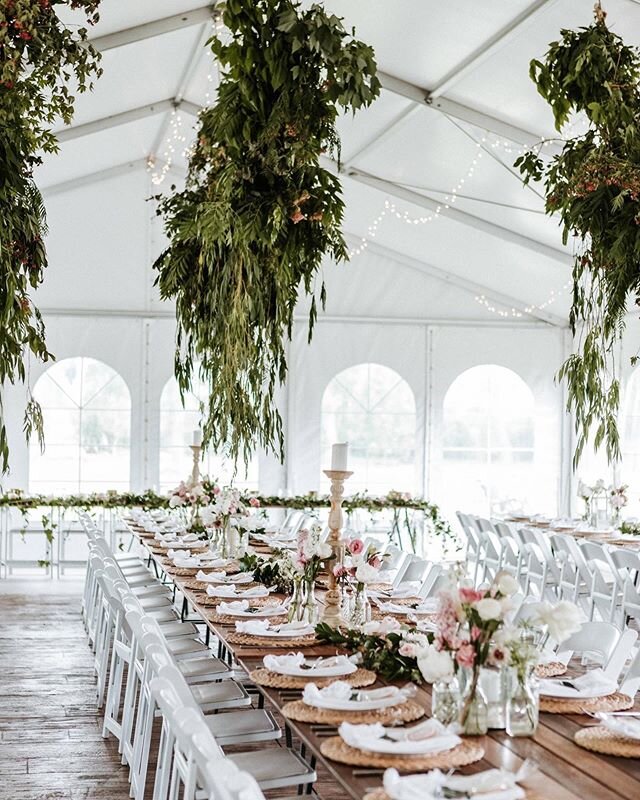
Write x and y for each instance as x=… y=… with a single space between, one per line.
x=473 y=716
x=309 y=603
x=523 y=703
x=445 y=701
x=297 y=601
x=360 y=607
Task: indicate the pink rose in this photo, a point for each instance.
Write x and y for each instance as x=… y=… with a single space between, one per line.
x=470 y=595
x=216 y=490
x=466 y=655
x=253 y=501
x=376 y=562
x=407 y=649
x=356 y=546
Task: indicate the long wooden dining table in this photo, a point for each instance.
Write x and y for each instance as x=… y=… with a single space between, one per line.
x=565 y=770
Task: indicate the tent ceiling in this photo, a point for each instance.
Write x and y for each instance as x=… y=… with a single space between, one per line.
x=408 y=148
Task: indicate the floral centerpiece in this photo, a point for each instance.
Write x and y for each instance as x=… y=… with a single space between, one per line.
x=361 y=567
x=227 y=516
x=312 y=554
x=618 y=499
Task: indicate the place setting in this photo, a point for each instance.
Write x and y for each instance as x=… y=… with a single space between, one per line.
x=617 y=734
x=255 y=608
x=272 y=634
x=591 y=692
x=296 y=671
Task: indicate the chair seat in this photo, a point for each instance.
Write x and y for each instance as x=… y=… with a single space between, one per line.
x=173 y=629
x=275 y=767
x=219 y=695
x=237 y=727
x=163 y=615
x=198 y=670
x=155 y=601
x=185 y=647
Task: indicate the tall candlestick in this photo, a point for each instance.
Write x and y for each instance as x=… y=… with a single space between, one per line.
x=195 y=470
x=339 y=453
x=331 y=614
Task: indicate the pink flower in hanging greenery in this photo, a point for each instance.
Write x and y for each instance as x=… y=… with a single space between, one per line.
x=253 y=501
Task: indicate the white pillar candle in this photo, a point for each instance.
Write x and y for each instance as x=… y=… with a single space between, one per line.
x=197 y=438
x=339 y=452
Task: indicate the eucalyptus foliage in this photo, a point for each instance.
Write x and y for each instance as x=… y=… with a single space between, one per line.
x=594 y=187
x=259 y=212
x=39 y=59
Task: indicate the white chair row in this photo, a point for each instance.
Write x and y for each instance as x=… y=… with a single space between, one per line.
x=147 y=659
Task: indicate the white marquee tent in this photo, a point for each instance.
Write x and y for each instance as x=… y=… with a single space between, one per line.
x=441 y=337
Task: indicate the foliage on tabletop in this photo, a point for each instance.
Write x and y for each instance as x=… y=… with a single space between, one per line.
x=276 y=571
x=593 y=185
x=259 y=212
x=40 y=59
x=381 y=646
x=632 y=528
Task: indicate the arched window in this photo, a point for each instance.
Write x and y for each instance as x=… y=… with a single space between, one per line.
x=372 y=408
x=177 y=423
x=87 y=426
x=488 y=441
x=630 y=443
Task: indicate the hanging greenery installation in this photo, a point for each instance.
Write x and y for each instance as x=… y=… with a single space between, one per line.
x=259 y=212
x=593 y=184
x=39 y=58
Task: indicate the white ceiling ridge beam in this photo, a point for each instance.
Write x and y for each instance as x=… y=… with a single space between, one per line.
x=456 y=214
x=93 y=177
x=459 y=111
x=452 y=279
x=122 y=118
x=155 y=27
x=490 y=46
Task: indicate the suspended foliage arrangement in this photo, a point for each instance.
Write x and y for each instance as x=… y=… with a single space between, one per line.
x=259 y=212
x=39 y=57
x=594 y=187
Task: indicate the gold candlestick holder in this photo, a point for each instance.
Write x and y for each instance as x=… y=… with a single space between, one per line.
x=195 y=470
x=331 y=614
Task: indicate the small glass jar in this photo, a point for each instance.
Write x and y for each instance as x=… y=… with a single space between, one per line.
x=360 y=607
x=445 y=700
x=523 y=703
x=297 y=601
x=473 y=716
x=309 y=604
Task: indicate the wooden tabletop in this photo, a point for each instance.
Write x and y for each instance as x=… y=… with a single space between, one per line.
x=566 y=771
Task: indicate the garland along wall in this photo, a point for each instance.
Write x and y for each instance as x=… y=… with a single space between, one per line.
x=99 y=302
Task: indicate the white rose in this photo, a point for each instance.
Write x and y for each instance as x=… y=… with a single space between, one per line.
x=561 y=620
x=488 y=608
x=435 y=665
x=324 y=550
x=175 y=501
x=365 y=573
x=506 y=583
x=388 y=625
x=371 y=628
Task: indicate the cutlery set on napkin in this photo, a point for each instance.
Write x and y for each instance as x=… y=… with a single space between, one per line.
x=263 y=627
x=427 y=737
x=341 y=696
x=220 y=590
x=222 y=578
x=492 y=784
x=297 y=665
x=592 y=684
x=242 y=608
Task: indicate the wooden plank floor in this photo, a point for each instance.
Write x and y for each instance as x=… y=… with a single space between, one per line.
x=51 y=747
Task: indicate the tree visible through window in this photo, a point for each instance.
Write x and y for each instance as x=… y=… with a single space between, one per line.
x=372 y=408
x=488 y=441
x=87 y=422
x=177 y=423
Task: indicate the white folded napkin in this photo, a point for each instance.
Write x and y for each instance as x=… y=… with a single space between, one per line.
x=341 y=690
x=212 y=559
x=492 y=784
x=289 y=661
x=181 y=561
x=592 y=684
x=622 y=724
x=260 y=627
x=232 y=591
x=178 y=552
x=429 y=737
x=222 y=578
x=400 y=593
x=242 y=607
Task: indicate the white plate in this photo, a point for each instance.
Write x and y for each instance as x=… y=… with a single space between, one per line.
x=396 y=748
x=566 y=693
x=318 y=672
x=229 y=580
x=275 y=634
x=335 y=704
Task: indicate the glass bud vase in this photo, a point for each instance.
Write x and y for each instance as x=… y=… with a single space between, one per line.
x=523 y=703
x=445 y=701
x=473 y=716
x=360 y=607
x=297 y=601
x=309 y=604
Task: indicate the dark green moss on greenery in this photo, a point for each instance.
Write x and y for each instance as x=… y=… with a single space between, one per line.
x=593 y=185
x=39 y=59
x=258 y=212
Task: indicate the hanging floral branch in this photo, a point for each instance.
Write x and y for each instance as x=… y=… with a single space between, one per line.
x=259 y=212
x=594 y=187
x=39 y=57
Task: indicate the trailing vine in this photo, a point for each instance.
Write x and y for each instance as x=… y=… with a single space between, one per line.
x=594 y=187
x=39 y=59
x=259 y=213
